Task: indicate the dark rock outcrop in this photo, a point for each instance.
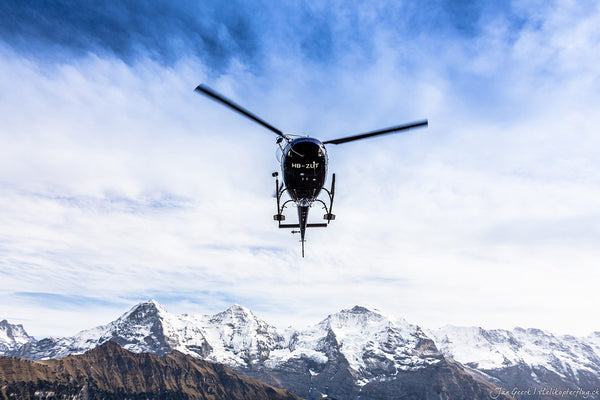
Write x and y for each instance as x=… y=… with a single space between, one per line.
x=110 y=372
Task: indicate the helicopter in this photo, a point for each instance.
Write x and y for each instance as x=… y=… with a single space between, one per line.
x=303 y=166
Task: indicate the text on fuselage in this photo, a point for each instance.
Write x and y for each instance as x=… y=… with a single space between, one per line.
x=312 y=165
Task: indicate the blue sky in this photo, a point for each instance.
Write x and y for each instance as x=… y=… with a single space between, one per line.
x=118 y=183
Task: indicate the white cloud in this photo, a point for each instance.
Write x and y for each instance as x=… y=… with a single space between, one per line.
x=118 y=183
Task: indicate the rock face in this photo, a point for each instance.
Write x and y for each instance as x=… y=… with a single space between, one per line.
x=111 y=372
x=13 y=337
x=355 y=353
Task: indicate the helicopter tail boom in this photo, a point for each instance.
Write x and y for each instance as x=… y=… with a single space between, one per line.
x=303 y=222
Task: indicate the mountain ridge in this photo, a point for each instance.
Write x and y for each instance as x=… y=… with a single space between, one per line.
x=111 y=372
x=359 y=349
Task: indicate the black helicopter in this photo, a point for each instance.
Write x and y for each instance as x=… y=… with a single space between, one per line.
x=303 y=165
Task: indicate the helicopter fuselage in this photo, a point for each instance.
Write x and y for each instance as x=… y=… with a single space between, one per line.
x=304 y=168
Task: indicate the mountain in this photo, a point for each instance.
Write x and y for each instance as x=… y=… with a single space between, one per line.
x=356 y=353
x=525 y=358
x=147 y=327
x=111 y=372
x=352 y=353
x=360 y=354
x=13 y=337
x=234 y=337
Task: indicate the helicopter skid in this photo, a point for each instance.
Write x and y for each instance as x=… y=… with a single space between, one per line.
x=292 y=226
x=303 y=207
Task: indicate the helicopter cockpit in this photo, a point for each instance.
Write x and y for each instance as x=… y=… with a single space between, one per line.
x=304 y=166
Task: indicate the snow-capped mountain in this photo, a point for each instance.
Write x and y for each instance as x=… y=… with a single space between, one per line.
x=147 y=327
x=537 y=358
x=234 y=337
x=372 y=344
x=359 y=353
x=12 y=337
x=355 y=353
x=237 y=338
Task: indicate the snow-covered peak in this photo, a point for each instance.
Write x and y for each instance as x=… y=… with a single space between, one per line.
x=362 y=323
x=145 y=310
x=146 y=327
x=358 y=324
x=368 y=340
x=355 y=317
x=235 y=314
x=474 y=346
x=235 y=337
x=12 y=336
x=495 y=349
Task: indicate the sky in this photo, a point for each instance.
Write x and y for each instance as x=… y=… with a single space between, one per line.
x=119 y=184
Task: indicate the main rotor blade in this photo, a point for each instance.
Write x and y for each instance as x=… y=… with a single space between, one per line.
x=205 y=90
x=392 y=129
